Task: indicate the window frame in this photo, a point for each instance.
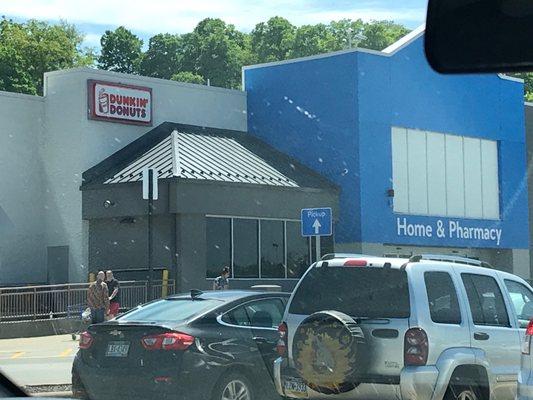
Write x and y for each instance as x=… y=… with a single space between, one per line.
x=457 y=297
x=244 y=304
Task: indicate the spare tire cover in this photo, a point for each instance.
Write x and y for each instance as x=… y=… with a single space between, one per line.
x=328 y=351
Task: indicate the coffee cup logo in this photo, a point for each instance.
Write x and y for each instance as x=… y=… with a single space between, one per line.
x=103 y=101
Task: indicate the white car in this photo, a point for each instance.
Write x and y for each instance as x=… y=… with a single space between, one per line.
x=428 y=327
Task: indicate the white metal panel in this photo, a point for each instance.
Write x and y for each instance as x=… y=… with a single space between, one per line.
x=489 y=174
x=455 y=176
x=417 y=168
x=472 y=171
x=436 y=160
x=400 y=179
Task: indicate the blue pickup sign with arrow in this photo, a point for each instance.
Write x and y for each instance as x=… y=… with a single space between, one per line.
x=316 y=222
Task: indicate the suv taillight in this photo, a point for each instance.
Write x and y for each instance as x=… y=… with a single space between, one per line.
x=526 y=344
x=86 y=340
x=415 y=347
x=281 y=347
x=167 y=341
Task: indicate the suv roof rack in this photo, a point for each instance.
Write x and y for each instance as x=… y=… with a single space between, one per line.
x=448 y=258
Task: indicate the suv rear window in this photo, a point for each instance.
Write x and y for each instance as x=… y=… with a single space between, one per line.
x=355 y=291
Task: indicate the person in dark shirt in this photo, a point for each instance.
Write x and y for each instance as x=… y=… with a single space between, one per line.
x=222 y=282
x=114 y=294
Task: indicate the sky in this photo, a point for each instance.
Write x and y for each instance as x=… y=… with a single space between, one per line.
x=149 y=17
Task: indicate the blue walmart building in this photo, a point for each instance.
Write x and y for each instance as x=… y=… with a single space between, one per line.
x=426 y=163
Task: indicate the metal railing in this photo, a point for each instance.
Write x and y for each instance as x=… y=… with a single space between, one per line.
x=59 y=301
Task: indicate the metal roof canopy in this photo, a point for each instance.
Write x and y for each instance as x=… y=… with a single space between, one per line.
x=200 y=153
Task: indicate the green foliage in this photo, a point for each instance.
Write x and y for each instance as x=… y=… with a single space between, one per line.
x=213 y=50
x=28 y=50
x=380 y=34
x=121 y=51
x=189 y=77
x=528 y=86
x=217 y=51
x=163 y=57
x=272 y=40
x=313 y=39
x=345 y=31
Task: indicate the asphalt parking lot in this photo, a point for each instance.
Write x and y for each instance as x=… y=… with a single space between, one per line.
x=43 y=360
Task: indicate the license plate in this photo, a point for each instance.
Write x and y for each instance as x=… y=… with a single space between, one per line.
x=117 y=349
x=296 y=386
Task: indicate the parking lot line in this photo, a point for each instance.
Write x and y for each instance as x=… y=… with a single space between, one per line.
x=65 y=353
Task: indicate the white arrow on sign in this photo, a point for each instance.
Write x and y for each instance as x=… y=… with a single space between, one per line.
x=317 y=226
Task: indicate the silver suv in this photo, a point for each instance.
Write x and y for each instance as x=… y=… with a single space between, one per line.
x=428 y=327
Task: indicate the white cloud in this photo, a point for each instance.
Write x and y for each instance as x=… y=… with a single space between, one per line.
x=178 y=16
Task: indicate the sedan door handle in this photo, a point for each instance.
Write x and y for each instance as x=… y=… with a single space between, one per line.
x=481 y=336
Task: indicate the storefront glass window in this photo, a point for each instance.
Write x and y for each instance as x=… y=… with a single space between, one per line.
x=245 y=257
x=297 y=251
x=272 y=249
x=218 y=245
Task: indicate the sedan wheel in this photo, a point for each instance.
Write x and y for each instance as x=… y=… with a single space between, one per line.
x=238 y=390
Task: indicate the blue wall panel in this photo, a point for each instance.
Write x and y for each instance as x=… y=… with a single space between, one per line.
x=353 y=99
x=309 y=111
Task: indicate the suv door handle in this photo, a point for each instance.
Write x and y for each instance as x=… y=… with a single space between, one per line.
x=481 y=336
x=259 y=339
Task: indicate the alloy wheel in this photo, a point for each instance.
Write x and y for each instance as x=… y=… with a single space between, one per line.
x=237 y=390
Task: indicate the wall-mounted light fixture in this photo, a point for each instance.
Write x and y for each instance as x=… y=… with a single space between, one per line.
x=108 y=204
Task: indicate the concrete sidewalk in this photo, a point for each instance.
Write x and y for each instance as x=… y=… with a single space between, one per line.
x=45 y=360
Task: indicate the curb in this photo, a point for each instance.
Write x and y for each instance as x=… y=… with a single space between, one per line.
x=52 y=394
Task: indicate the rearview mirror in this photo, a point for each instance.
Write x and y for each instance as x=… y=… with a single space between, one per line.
x=479 y=35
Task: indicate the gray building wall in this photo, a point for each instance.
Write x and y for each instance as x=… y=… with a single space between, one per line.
x=179 y=223
x=73 y=143
x=22 y=250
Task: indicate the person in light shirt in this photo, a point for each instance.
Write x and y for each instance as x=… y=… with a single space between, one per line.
x=222 y=282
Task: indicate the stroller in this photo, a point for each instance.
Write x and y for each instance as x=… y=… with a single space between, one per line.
x=81 y=312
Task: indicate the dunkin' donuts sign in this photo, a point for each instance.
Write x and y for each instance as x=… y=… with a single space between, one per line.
x=116 y=102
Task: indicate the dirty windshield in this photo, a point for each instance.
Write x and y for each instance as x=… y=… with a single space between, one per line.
x=239 y=200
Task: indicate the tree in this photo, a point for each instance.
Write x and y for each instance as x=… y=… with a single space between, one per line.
x=162 y=59
x=29 y=49
x=313 y=39
x=528 y=84
x=380 y=34
x=121 y=51
x=272 y=40
x=346 y=33
x=217 y=51
x=188 y=77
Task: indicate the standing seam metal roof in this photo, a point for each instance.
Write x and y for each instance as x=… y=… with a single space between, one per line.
x=203 y=157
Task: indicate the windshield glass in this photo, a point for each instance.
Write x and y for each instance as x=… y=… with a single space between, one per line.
x=173 y=310
x=156 y=152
